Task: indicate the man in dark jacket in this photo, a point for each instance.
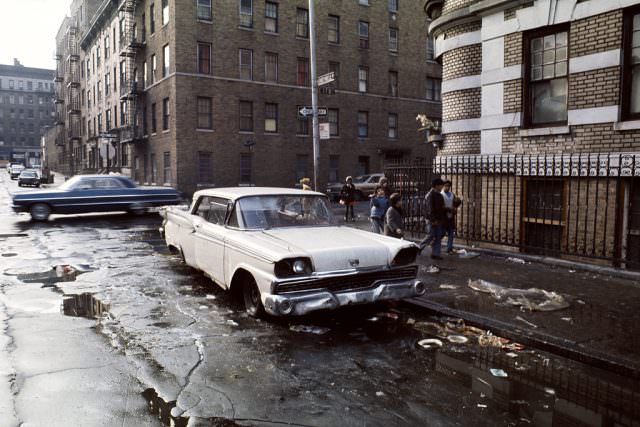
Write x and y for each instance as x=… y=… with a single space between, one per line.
x=393 y=225
x=436 y=216
x=348 y=198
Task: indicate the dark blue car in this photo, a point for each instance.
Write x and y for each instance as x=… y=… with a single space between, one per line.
x=94 y=193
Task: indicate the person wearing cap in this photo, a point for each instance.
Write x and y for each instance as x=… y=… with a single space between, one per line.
x=393 y=224
x=348 y=198
x=436 y=215
x=306 y=184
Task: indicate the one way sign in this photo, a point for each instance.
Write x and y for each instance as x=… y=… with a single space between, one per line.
x=308 y=111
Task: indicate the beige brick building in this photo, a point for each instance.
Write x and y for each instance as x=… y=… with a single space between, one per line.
x=205 y=93
x=541 y=123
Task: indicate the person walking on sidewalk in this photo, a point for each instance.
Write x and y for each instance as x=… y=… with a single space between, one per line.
x=379 y=206
x=306 y=184
x=384 y=185
x=394 y=226
x=451 y=204
x=436 y=216
x=348 y=198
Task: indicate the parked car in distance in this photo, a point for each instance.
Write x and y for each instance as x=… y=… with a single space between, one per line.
x=280 y=249
x=93 y=193
x=365 y=186
x=15 y=169
x=29 y=177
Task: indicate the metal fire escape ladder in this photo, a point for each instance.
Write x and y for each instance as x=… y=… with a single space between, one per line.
x=129 y=92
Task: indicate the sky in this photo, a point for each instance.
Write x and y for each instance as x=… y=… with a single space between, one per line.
x=28 y=30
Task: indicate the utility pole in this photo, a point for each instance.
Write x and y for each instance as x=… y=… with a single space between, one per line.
x=314 y=93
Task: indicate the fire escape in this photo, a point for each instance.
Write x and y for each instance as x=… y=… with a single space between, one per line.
x=130 y=92
x=72 y=98
x=60 y=113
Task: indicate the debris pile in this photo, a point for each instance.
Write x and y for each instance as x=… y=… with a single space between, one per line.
x=532 y=299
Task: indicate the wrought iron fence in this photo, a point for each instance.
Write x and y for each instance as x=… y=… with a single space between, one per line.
x=583 y=205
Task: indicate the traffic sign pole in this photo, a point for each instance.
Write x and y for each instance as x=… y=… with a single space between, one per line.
x=314 y=94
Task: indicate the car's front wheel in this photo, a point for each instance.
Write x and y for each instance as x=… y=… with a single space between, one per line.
x=40 y=211
x=252 y=300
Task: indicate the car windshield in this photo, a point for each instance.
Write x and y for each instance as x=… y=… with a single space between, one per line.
x=360 y=179
x=264 y=212
x=28 y=174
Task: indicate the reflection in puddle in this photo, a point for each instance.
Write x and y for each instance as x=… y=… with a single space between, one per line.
x=58 y=273
x=83 y=305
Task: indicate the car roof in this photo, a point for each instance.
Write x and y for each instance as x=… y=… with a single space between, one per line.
x=234 y=193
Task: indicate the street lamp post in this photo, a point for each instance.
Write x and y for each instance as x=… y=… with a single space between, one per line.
x=314 y=93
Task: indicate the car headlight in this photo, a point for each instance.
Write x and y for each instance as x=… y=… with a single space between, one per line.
x=406 y=256
x=293 y=267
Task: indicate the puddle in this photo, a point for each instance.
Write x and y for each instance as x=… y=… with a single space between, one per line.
x=9 y=254
x=59 y=273
x=7 y=235
x=83 y=305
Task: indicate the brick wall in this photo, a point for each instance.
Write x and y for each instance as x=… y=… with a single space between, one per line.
x=451 y=5
x=597 y=88
x=595 y=34
x=464 y=28
x=512 y=96
x=461 y=143
x=513 y=49
x=461 y=104
x=464 y=61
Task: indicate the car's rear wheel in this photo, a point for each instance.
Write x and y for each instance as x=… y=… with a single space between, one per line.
x=252 y=300
x=40 y=211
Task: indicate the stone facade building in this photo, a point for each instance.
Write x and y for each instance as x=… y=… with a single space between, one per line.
x=26 y=107
x=206 y=93
x=541 y=129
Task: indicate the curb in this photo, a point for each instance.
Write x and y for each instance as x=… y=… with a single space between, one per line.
x=555 y=345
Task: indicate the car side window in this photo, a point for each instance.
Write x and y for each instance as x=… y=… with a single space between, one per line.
x=218 y=210
x=202 y=209
x=107 y=183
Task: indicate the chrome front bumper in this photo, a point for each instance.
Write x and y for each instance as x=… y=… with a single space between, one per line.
x=300 y=303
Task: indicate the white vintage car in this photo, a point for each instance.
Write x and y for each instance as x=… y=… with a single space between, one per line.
x=280 y=250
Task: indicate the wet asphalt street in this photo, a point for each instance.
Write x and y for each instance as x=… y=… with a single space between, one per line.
x=131 y=336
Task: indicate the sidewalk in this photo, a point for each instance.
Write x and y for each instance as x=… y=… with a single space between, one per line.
x=601 y=325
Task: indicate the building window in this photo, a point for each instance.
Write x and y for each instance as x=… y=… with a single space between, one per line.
x=204 y=58
x=433 y=91
x=546 y=74
x=333 y=117
x=334 y=163
x=108 y=120
x=333 y=29
x=154 y=173
x=302 y=163
x=245 y=168
x=145 y=75
x=246 y=64
x=165 y=12
x=166 y=162
x=271 y=118
x=246 y=13
x=364 y=2
x=334 y=67
x=631 y=66
x=154 y=69
x=302 y=76
x=393 y=126
x=393 y=83
x=271 y=67
x=165 y=60
x=205 y=167
x=205 y=119
x=152 y=19
x=363 y=124
x=143 y=31
x=393 y=39
x=165 y=114
x=302 y=23
x=204 y=10
x=302 y=123
x=430 y=49
x=246 y=116
x=363 y=33
x=271 y=17
x=106 y=47
x=107 y=84
x=362 y=168
x=393 y=5
x=363 y=79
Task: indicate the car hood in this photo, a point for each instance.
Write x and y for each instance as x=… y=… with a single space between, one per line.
x=336 y=248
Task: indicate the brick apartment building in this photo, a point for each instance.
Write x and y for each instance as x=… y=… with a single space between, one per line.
x=205 y=93
x=541 y=123
x=26 y=107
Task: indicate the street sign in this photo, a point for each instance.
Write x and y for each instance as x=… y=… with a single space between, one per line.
x=325 y=131
x=326 y=78
x=308 y=111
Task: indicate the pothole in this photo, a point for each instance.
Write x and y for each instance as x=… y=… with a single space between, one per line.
x=83 y=305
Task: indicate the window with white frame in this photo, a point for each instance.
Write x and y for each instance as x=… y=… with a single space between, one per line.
x=363 y=124
x=393 y=39
x=363 y=79
x=393 y=5
x=246 y=64
x=246 y=13
x=271 y=67
x=271 y=17
x=363 y=34
x=205 y=118
x=271 y=118
x=333 y=29
x=392 y=122
x=204 y=10
x=302 y=23
x=433 y=89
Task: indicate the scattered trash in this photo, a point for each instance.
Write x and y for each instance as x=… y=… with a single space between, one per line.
x=514 y=346
x=462 y=253
x=210 y=296
x=549 y=391
x=309 y=329
x=232 y=322
x=498 y=373
x=430 y=343
x=516 y=260
x=490 y=340
x=572 y=271
x=546 y=361
x=482 y=405
x=379 y=393
x=388 y=315
x=448 y=287
x=532 y=299
x=432 y=269
x=511 y=355
x=457 y=339
x=411 y=321
x=580 y=302
x=567 y=319
x=373 y=319
x=526 y=322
